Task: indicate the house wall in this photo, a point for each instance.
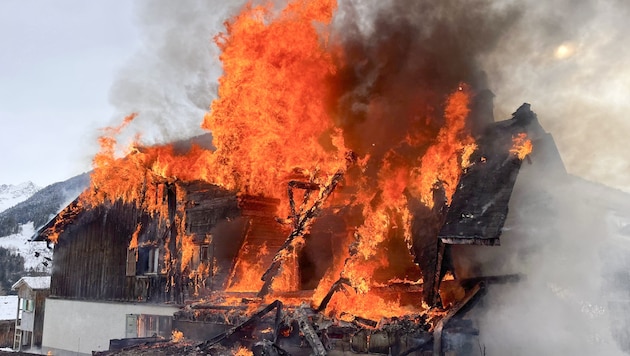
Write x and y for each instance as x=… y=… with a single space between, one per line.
x=7 y=329
x=33 y=321
x=40 y=310
x=79 y=327
x=92 y=258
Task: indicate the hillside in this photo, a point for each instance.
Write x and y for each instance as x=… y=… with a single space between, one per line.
x=42 y=205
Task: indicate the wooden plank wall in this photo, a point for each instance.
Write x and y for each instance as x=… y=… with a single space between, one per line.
x=90 y=258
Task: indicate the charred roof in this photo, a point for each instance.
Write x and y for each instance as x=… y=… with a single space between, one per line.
x=479 y=206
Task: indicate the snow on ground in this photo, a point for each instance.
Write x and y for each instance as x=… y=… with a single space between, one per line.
x=35 y=253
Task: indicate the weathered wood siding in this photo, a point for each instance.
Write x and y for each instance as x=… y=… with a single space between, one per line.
x=7 y=332
x=91 y=256
x=38 y=326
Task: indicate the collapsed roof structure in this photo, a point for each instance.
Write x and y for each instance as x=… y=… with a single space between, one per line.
x=189 y=251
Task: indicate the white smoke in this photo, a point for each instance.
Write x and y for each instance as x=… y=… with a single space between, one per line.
x=570 y=59
x=558 y=236
x=172 y=79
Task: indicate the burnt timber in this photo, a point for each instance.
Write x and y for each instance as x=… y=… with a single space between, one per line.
x=480 y=204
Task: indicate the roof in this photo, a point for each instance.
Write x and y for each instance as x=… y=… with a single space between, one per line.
x=8 y=307
x=479 y=206
x=35 y=283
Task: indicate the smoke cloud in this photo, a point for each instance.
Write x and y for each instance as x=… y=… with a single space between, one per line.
x=171 y=81
x=402 y=59
x=567 y=58
x=570 y=59
x=559 y=238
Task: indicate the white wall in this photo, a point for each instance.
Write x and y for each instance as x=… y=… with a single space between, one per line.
x=28 y=321
x=81 y=327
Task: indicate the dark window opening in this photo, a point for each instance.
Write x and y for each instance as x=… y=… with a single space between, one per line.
x=148 y=260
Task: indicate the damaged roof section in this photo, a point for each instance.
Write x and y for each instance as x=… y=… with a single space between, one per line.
x=479 y=206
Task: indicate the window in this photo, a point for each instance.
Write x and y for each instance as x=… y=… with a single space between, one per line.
x=147 y=261
x=205 y=253
x=144 y=325
x=28 y=305
x=154 y=260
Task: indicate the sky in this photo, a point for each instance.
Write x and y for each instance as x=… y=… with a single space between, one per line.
x=70 y=67
x=57 y=62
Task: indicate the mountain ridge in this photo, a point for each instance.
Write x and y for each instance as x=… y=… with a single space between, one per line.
x=13 y=194
x=42 y=204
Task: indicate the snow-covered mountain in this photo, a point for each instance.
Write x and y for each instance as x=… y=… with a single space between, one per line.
x=42 y=205
x=23 y=209
x=11 y=195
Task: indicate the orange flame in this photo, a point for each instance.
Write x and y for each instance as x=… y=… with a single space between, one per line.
x=270 y=118
x=521 y=146
x=442 y=163
x=270 y=124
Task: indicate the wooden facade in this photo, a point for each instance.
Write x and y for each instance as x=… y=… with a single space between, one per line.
x=7 y=333
x=120 y=252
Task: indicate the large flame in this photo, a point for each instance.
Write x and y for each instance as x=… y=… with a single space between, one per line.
x=271 y=123
x=270 y=119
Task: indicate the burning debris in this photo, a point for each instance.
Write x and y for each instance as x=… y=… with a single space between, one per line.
x=293 y=236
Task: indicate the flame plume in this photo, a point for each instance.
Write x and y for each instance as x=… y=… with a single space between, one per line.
x=270 y=118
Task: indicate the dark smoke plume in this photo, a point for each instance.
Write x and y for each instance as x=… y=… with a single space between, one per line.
x=400 y=60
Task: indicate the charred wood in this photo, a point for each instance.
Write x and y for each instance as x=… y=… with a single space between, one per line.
x=253 y=319
x=309 y=333
x=437 y=332
x=301 y=224
x=337 y=286
x=427 y=249
x=268 y=348
x=502 y=279
x=362 y=322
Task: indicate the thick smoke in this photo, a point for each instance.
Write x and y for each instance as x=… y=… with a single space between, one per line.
x=559 y=238
x=400 y=60
x=172 y=79
x=568 y=58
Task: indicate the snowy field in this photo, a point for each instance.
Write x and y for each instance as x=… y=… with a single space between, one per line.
x=35 y=254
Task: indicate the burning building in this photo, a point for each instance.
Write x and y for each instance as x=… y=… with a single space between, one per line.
x=328 y=193
x=201 y=245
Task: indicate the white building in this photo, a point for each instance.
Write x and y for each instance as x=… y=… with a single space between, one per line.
x=32 y=293
x=74 y=327
x=8 y=315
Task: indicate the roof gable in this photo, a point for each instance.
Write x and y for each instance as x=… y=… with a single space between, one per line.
x=34 y=283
